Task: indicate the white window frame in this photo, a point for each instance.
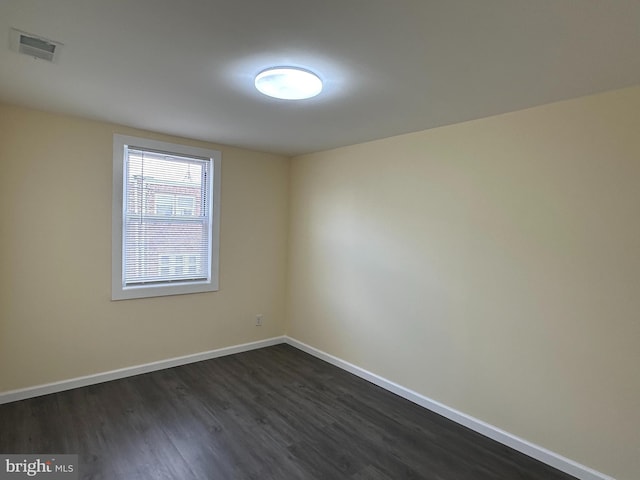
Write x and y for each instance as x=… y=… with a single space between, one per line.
x=118 y=290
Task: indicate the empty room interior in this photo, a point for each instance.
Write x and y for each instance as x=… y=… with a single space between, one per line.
x=422 y=261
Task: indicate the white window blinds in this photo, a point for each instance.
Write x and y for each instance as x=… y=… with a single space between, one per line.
x=166 y=218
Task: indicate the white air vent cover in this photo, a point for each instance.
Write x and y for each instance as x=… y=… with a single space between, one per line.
x=34 y=45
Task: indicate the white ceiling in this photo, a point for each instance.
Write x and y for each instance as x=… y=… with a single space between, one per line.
x=186 y=67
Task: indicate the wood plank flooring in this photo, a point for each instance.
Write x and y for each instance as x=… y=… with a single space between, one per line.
x=273 y=413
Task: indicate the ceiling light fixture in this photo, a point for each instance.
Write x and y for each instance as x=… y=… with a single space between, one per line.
x=288 y=83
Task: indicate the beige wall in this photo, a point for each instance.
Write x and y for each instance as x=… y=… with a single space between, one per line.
x=493 y=266
x=56 y=317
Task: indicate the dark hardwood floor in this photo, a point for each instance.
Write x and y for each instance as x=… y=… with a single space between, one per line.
x=274 y=413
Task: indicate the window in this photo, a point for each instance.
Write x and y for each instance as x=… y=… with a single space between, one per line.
x=166 y=216
x=177 y=264
x=174 y=204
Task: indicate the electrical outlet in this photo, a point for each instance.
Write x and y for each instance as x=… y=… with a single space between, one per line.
x=259 y=319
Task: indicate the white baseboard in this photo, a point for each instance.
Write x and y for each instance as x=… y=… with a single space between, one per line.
x=14 y=395
x=535 y=451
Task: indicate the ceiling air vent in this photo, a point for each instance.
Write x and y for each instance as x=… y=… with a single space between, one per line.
x=34 y=45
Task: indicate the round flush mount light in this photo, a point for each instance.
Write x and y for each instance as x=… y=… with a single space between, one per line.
x=288 y=83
